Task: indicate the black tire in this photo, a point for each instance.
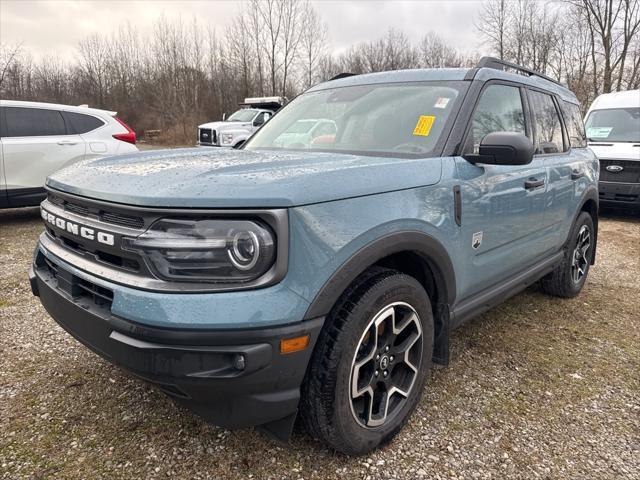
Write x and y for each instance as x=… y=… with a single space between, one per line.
x=326 y=405
x=562 y=282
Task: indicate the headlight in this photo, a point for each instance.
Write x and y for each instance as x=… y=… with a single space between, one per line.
x=215 y=251
x=226 y=138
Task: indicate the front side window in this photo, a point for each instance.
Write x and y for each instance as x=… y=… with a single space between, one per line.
x=499 y=110
x=614 y=125
x=243 y=115
x=261 y=118
x=547 y=123
x=575 y=126
x=394 y=119
x=33 y=122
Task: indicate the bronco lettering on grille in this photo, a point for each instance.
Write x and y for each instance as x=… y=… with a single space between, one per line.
x=78 y=229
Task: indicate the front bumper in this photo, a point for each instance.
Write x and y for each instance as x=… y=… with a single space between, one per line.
x=232 y=378
x=620 y=195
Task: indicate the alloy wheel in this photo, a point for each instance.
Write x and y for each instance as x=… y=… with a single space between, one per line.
x=580 y=258
x=386 y=364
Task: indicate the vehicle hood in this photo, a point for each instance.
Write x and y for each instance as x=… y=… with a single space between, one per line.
x=207 y=178
x=616 y=150
x=225 y=125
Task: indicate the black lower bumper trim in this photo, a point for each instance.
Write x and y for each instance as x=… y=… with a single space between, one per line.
x=231 y=378
x=620 y=195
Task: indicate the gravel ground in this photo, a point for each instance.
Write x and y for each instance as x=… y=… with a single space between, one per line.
x=537 y=388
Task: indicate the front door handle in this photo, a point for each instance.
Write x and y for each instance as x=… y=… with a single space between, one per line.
x=533 y=183
x=67 y=142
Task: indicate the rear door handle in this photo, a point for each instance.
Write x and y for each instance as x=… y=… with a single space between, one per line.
x=67 y=142
x=576 y=174
x=533 y=183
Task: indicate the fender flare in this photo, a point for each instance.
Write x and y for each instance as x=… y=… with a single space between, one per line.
x=426 y=246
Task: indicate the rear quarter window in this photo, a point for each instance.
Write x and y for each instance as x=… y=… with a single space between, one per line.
x=574 y=124
x=32 y=122
x=81 y=123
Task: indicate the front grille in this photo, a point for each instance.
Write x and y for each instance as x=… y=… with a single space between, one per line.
x=78 y=209
x=123 y=220
x=111 y=221
x=111 y=217
x=207 y=136
x=76 y=287
x=630 y=172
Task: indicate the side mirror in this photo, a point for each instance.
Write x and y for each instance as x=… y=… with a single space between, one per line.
x=504 y=148
x=224 y=117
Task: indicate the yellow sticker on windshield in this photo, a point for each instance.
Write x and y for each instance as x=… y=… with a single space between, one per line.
x=423 y=127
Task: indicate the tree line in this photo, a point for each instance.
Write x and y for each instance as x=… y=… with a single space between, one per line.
x=185 y=72
x=593 y=46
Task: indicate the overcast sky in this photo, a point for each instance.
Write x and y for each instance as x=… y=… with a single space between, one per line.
x=56 y=26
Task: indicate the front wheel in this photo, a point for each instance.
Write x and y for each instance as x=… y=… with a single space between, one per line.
x=370 y=364
x=570 y=276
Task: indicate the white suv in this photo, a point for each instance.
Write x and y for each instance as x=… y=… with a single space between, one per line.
x=36 y=139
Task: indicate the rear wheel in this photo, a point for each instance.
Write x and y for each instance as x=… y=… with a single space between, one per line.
x=370 y=363
x=569 y=277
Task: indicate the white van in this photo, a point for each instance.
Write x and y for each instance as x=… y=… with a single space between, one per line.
x=613 y=131
x=36 y=139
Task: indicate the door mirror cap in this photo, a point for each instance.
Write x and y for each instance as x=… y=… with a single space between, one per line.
x=504 y=148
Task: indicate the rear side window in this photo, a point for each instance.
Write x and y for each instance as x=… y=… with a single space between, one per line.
x=575 y=126
x=33 y=122
x=547 y=124
x=499 y=110
x=81 y=123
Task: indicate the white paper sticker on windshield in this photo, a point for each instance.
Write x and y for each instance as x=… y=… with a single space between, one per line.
x=442 y=102
x=598 y=132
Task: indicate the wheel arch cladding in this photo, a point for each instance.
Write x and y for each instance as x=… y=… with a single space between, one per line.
x=414 y=253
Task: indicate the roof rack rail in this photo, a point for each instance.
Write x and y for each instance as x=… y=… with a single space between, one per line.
x=497 y=64
x=343 y=75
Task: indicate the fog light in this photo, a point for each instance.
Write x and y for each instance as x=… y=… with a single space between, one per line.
x=239 y=362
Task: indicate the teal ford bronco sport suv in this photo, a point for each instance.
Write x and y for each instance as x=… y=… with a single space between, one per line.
x=321 y=281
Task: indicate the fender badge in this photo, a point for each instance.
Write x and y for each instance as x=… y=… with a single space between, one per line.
x=614 y=168
x=476 y=241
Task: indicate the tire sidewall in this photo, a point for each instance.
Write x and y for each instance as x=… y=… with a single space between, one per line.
x=398 y=288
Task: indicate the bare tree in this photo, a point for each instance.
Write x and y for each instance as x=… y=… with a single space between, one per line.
x=492 y=24
x=435 y=53
x=94 y=66
x=613 y=25
x=9 y=55
x=313 y=44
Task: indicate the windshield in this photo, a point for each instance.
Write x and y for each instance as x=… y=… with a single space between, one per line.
x=396 y=119
x=243 y=115
x=301 y=126
x=614 y=125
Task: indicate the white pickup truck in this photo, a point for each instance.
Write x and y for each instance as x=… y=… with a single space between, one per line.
x=237 y=128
